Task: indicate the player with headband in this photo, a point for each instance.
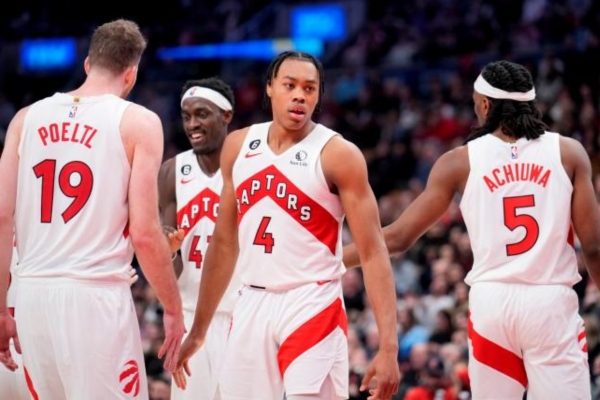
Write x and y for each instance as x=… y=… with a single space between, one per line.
x=525 y=193
x=189 y=185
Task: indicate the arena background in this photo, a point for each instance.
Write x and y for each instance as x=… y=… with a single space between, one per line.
x=398 y=84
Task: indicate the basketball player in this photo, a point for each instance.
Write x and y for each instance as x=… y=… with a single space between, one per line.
x=189 y=188
x=522 y=190
x=79 y=175
x=286 y=187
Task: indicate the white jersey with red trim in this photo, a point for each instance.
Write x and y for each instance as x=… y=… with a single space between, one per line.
x=289 y=221
x=197 y=197
x=517 y=209
x=72 y=197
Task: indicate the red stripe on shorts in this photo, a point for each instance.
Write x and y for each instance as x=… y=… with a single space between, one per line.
x=310 y=333
x=494 y=356
x=32 y=391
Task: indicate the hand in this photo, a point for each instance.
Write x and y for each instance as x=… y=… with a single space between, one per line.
x=174 y=331
x=175 y=237
x=384 y=369
x=8 y=330
x=189 y=347
x=133 y=276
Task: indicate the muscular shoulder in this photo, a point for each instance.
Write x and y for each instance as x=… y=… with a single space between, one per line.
x=138 y=120
x=167 y=170
x=452 y=169
x=341 y=159
x=573 y=155
x=231 y=148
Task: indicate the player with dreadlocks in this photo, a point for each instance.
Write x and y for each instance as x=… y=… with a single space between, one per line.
x=522 y=189
x=287 y=185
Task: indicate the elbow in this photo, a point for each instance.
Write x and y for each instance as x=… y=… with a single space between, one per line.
x=142 y=239
x=396 y=243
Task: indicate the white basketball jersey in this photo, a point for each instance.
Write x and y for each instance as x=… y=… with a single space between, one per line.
x=72 y=205
x=517 y=209
x=197 y=207
x=289 y=221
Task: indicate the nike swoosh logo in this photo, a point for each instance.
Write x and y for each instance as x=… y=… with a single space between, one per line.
x=248 y=155
x=184 y=181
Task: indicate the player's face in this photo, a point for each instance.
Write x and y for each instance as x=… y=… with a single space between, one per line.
x=204 y=125
x=481 y=106
x=294 y=93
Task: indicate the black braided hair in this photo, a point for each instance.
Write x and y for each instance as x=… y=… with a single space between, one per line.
x=213 y=83
x=516 y=119
x=296 y=55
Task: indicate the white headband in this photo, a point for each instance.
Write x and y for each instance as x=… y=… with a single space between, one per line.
x=208 y=94
x=482 y=86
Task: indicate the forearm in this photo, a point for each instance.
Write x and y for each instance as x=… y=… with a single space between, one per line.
x=6 y=252
x=379 y=284
x=218 y=269
x=592 y=263
x=152 y=252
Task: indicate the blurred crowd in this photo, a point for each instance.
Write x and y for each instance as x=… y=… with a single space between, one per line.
x=400 y=89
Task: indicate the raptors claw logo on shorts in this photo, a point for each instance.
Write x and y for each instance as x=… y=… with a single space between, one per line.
x=129 y=379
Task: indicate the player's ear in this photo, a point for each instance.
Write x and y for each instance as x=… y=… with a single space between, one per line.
x=86 y=65
x=227 y=116
x=269 y=89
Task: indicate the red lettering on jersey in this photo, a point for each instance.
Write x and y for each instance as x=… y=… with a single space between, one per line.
x=517 y=172
x=270 y=182
x=67 y=132
x=204 y=204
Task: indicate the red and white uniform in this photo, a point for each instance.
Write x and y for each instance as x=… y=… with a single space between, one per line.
x=290 y=262
x=525 y=329
x=197 y=206
x=75 y=251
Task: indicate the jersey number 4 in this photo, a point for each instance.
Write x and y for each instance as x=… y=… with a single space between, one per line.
x=512 y=220
x=195 y=253
x=79 y=192
x=264 y=238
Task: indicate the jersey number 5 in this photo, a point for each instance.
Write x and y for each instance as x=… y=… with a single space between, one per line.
x=512 y=220
x=80 y=192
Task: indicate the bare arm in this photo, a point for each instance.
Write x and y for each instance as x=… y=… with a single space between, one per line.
x=447 y=177
x=221 y=255
x=350 y=180
x=9 y=164
x=167 y=201
x=585 y=214
x=219 y=262
x=144 y=129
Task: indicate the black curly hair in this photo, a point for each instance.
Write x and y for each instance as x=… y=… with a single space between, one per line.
x=273 y=69
x=213 y=83
x=516 y=119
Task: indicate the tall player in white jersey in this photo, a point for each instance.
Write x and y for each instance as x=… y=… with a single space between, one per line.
x=286 y=186
x=522 y=189
x=79 y=175
x=189 y=187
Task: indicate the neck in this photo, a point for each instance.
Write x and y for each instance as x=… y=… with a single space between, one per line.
x=209 y=163
x=281 y=138
x=504 y=137
x=97 y=84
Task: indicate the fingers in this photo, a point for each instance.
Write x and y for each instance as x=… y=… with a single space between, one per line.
x=367 y=379
x=7 y=360
x=180 y=379
x=187 y=369
x=133 y=276
x=17 y=343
